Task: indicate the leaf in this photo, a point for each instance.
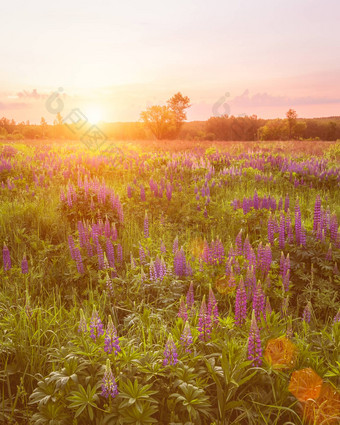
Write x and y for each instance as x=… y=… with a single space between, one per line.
x=305 y=384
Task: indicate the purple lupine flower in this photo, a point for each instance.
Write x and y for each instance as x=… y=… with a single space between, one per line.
x=268 y=308
x=142 y=255
x=142 y=193
x=111 y=338
x=333 y=227
x=186 y=338
x=212 y=308
x=169 y=191
x=100 y=253
x=129 y=191
x=182 y=310
x=256 y=201
x=119 y=253
x=82 y=322
x=317 y=214
x=287 y=203
x=24 y=265
x=110 y=253
x=303 y=236
x=258 y=301
x=71 y=246
x=297 y=222
x=146 y=225
x=270 y=230
x=238 y=243
x=163 y=248
x=267 y=258
x=109 y=385
x=109 y=285
x=282 y=229
x=337 y=317
x=96 y=325
x=180 y=266
x=170 y=352
x=254 y=343
x=6 y=258
x=204 y=322
x=307 y=313
x=78 y=260
x=190 y=296
x=240 y=304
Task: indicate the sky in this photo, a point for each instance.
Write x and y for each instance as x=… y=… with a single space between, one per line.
x=111 y=59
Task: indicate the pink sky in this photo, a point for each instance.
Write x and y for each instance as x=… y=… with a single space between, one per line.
x=115 y=59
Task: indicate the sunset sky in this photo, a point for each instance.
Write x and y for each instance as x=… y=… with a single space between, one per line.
x=113 y=59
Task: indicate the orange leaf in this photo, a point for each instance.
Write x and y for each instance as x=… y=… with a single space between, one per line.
x=326 y=409
x=280 y=353
x=305 y=384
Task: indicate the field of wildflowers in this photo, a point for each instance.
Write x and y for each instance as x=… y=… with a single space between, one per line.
x=170 y=283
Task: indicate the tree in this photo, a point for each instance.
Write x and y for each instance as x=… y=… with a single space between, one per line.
x=166 y=121
x=292 y=119
x=178 y=104
x=43 y=125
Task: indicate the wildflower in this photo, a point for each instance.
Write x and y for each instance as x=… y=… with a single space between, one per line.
x=258 y=301
x=186 y=338
x=111 y=338
x=170 y=352
x=298 y=222
x=119 y=253
x=82 y=322
x=109 y=385
x=78 y=260
x=142 y=193
x=190 y=296
x=146 y=225
x=240 y=304
x=96 y=325
x=337 y=317
x=110 y=253
x=182 y=310
x=212 y=308
x=280 y=353
x=24 y=265
x=6 y=258
x=254 y=343
x=307 y=312
x=204 y=322
x=305 y=384
x=317 y=213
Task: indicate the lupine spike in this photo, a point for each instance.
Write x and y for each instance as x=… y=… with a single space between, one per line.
x=109 y=385
x=111 y=338
x=186 y=338
x=170 y=352
x=254 y=343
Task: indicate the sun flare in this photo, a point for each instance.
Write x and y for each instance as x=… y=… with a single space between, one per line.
x=94 y=114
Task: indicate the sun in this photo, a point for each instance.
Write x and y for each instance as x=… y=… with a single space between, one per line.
x=94 y=114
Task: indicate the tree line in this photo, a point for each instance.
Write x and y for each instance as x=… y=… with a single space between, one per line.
x=169 y=122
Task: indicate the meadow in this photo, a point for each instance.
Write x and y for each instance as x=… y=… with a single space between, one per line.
x=170 y=282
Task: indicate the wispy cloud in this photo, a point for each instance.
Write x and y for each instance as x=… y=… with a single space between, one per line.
x=245 y=100
x=13 y=105
x=32 y=95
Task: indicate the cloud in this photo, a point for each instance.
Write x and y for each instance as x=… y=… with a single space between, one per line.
x=31 y=95
x=14 y=105
x=268 y=100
